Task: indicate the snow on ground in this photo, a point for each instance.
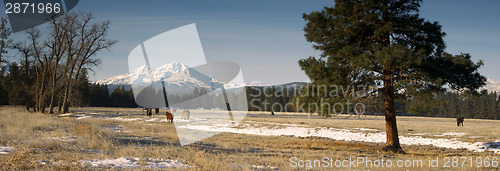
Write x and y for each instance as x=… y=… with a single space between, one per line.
x=417 y=134
x=114 y=128
x=76 y=115
x=476 y=137
x=6 y=150
x=65 y=139
x=346 y=135
x=133 y=162
x=125 y=119
x=366 y=129
x=213 y=124
x=253 y=167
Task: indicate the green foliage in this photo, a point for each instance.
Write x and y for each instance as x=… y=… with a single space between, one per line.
x=482 y=105
x=16 y=89
x=5 y=41
x=99 y=95
x=470 y=105
x=3 y=92
x=367 y=43
x=122 y=98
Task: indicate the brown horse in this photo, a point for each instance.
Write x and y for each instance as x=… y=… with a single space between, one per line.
x=185 y=114
x=170 y=117
x=460 y=121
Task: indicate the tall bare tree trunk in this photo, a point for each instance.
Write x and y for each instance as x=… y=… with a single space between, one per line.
x=53 y=91
x=41 y=95
x=69 y=85
x=59 y=103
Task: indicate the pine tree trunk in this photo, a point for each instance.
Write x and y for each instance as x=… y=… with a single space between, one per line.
x=392 y=143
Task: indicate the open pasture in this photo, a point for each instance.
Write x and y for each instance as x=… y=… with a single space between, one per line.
x=102 y=138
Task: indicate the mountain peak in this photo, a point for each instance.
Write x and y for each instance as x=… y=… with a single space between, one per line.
x=171 y=72
x=174 y=67
x=491 y=85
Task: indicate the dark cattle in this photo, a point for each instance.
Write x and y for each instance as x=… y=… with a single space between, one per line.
x=460 y=121
x=185 y=114
x=148 y=112
x=170 y=117
x=157 y=110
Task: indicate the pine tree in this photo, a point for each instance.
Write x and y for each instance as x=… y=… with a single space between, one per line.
x=14 y=84
x=384 y=43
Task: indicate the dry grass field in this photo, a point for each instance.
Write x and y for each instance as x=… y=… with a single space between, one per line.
x=33 y=141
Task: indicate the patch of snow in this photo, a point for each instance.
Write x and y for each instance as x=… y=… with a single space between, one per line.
x=261 y=167
x=253 y=167
x=125 y=119
x=77 y=116
x=492 y=145
x=65 y=139
x=67 y=115
x=6 y=150
x=134 y=162
x=458 y=134
x=114 y=128
x=417 y=134
x=271 y=123
x=152 y=120
x=344 y=134
x=83 y=117
x=476 y=137
x=366 y=129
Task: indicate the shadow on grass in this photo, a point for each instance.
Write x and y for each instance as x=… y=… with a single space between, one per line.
x=199 y=146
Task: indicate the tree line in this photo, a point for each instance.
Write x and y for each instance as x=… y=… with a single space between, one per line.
x=86 y=94
x=482 y=105
x=49 y=67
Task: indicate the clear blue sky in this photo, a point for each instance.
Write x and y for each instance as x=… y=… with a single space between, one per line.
x=266 y=37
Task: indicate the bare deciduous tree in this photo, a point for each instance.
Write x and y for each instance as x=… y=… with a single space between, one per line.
x=70 y=47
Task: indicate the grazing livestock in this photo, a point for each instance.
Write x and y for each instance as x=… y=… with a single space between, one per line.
x=185 y=114
x=170 y=117
x=460 y=121
x=148 y=112
x=157 y=110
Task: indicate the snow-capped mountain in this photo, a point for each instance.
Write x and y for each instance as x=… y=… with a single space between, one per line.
x=492 y=85
x=177 y=77
x=162 y=72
